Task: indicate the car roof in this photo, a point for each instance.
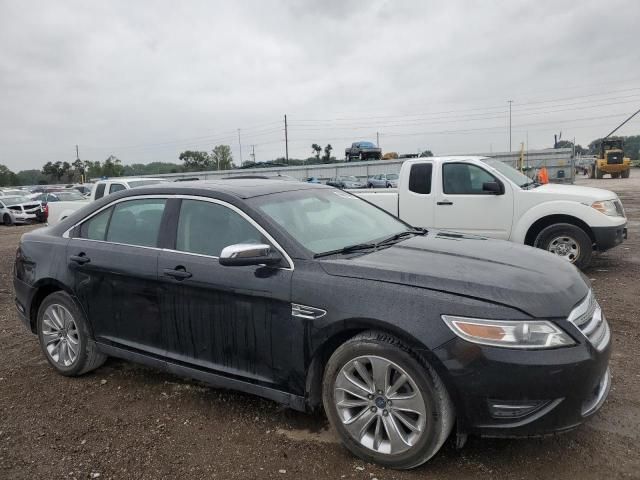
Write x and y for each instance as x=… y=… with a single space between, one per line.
x=240 y=187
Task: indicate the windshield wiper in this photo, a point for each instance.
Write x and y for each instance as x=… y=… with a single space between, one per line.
x=367 y=246
x=530 y=184
x=398 y=236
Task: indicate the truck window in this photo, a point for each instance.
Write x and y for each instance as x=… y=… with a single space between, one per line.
x=464 y=179
x=116 y=187
x=420 y=178
x=99 y=191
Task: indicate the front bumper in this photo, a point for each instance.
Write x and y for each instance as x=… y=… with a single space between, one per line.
x=609 y=237
x=502 y=392
x=25 y=218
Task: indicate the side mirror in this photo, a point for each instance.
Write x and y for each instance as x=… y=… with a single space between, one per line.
x=243 y=254
x=495 y=188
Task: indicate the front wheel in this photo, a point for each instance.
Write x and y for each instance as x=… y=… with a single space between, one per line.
x=7 y=220
x=388 y=405
x=64 y=336
x=567 y=241
x=625 y=173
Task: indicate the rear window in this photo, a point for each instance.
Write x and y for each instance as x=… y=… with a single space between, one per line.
x=420 y=178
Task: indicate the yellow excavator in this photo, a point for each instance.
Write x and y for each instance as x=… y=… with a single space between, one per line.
x=610 y=156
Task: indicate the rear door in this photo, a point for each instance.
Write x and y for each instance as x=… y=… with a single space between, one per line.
x=114 y=256
x=416 y=198
x=225 y=320
x=463 y=206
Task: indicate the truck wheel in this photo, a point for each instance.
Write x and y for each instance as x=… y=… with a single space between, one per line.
x=567 y=241
x=599 y=173
x=388 y=405
x=615 y=175
x=625 y=173
x=7 y=220
x=592 y=171
x=64 y=336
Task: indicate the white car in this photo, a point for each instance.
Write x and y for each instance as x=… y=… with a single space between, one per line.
x=19 y=209
x=12 y=193
x=487 y=197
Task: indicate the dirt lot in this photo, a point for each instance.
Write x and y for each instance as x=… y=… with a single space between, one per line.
x=127 y=421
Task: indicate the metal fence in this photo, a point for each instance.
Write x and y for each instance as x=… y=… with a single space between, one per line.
x=559 y=164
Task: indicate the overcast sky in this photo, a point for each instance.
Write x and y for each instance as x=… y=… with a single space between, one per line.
x=146 y=80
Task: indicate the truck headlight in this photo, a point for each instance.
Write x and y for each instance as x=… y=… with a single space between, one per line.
x=609 y=207
x=530 y=334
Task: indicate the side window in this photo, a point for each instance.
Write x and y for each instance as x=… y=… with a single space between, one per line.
x=116 y=187
x=464 y=179
x=206 y=228
x=420 y=178
x=100 y=191
x=96 y=227
x=136 y=222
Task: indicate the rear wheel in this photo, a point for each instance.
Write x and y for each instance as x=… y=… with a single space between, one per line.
x=7 y=220
x=388 y=405
x=615 y=175
x=625 y=173
x=568 y=242
x=64 y=336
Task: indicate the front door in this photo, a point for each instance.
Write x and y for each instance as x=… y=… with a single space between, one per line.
x=114 y=256
x=463 y=206
x=228 y=320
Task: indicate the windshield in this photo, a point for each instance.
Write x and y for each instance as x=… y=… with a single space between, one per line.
x=67 y=196
x=325 y=220
x=142 y=183
x=367 y=145
x=14 y=200
x=392 y=176
x=508 y=171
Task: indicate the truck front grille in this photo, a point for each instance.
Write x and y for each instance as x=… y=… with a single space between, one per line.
x=615 y=158
x=588 y=317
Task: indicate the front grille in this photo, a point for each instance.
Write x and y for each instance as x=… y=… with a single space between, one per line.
x=588 y=317
x=614 y=158
x=31 y=206
x=16 y=208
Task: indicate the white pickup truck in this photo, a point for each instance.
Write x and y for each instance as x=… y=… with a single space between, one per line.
x=61 y=210
x=486 y=197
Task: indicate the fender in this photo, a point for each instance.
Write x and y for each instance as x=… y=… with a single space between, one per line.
x=578 y=210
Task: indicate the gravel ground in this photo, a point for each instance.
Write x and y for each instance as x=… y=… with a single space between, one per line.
x=127 y=421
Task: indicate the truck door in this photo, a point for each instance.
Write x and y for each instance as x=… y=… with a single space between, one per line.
x=417 y=199
x=463 y=203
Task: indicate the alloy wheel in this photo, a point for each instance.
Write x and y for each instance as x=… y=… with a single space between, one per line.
x=60 y=335
x=380 y=405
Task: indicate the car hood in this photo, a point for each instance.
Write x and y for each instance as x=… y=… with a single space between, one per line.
x=574 y=192
x=528 y=279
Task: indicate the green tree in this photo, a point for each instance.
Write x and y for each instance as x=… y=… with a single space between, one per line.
x=221 y=157
x=54 y=170
x=78 y=170
x=92 y=169
x=112 y=167
x=30 y=177
x=317 y=149
x=7 y=177
x=327 y=153
x=194 y=161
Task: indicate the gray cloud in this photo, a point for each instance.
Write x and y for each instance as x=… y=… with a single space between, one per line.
x=145 y=81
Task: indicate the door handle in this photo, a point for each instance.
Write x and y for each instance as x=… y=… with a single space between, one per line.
x=178 y=273
x=80 y=259
x=445 y=202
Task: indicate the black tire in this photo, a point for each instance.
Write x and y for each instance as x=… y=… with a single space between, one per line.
x=439 y=410
x=88 y=357
x=370 y=185
x=578 y=237
x=592 y=171
x=625 y=173
x=599 y=173
x=615 y=175
x=6 y=220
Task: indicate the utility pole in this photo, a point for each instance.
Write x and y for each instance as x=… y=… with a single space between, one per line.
x=253 y=153
x=510 y=102
x=240 y=147
x=286 y=140
x=77 y=154
x=378 y=139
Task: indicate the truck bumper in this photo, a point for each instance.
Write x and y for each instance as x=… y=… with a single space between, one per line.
x=609 y=237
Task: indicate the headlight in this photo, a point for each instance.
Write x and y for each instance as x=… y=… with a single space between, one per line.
x=534 y=334
x=609 y=207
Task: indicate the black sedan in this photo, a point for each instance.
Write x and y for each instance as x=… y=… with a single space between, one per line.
x=312 y=297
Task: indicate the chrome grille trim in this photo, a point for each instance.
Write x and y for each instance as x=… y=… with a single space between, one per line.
x=590 y=320
x=309 y=313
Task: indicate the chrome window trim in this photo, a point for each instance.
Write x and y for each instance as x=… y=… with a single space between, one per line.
x=276 y=245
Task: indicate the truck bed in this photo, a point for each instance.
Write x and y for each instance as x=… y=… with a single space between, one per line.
x=385 y=198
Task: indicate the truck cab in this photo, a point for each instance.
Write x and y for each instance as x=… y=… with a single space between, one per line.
x=489 y=198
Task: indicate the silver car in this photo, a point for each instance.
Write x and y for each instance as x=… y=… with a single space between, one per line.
x=20 y=209
x=383 y=180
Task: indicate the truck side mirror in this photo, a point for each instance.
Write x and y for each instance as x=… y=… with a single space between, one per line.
x=494 y=188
